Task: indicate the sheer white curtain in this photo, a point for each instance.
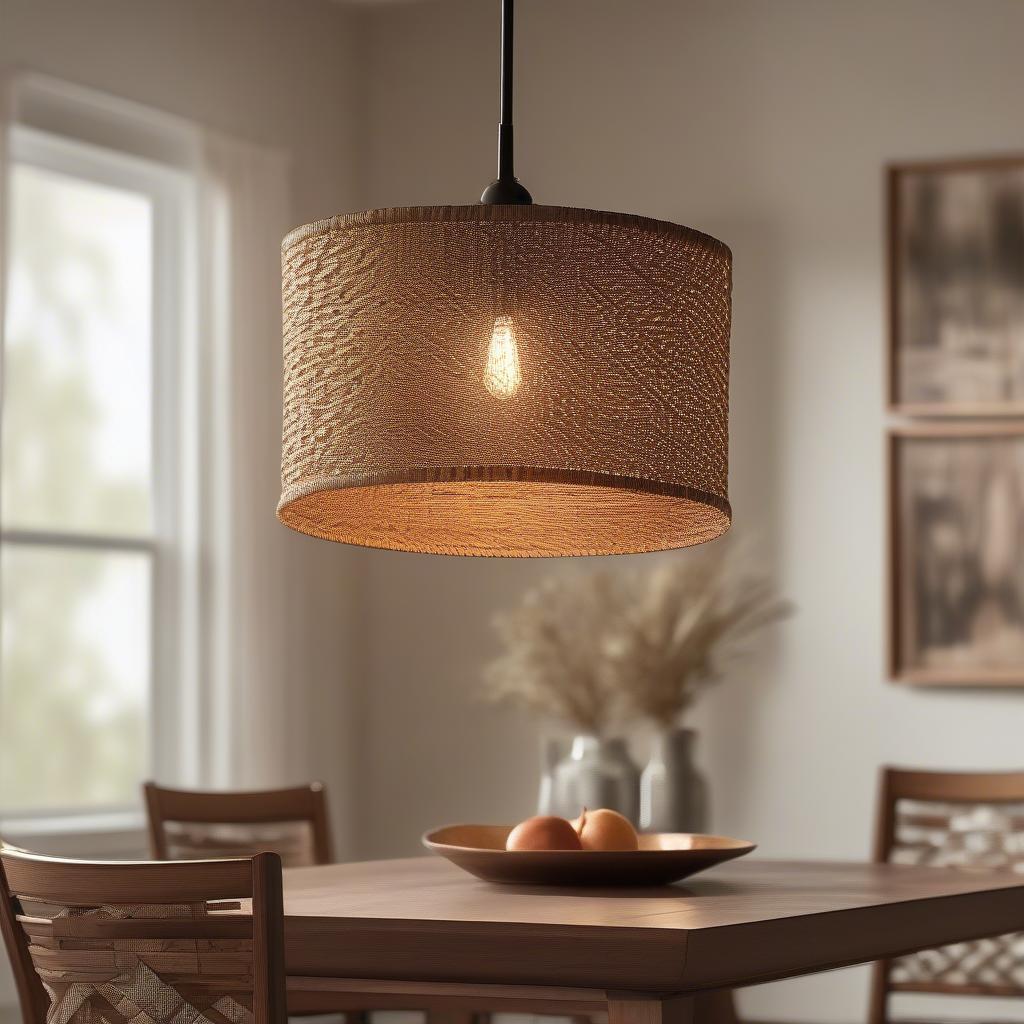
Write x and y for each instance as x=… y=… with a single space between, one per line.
x=6 y=103
x=252 y=725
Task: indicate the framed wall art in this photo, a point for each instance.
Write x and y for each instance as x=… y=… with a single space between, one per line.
x=956 y=287
x=957 y=553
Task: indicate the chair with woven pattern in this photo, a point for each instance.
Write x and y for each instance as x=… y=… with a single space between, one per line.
x=144 y=943
x=963 y=821
x=194 y=824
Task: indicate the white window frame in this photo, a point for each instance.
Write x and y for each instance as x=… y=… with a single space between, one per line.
x=173 y=700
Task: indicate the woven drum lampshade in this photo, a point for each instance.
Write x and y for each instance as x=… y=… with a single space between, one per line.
x=505 y=380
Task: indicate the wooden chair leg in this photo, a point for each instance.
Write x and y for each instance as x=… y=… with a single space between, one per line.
x=878 y=1005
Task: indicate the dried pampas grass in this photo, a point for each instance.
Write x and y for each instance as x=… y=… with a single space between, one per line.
x=558 y=660
x=596 y=649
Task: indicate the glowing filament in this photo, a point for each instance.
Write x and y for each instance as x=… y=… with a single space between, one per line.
x=501 y=375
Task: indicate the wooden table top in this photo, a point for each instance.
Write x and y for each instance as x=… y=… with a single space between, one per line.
x=423 y=919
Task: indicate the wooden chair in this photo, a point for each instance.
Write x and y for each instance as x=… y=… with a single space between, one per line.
x=105 y=943
x=968 y=820
x=193 y=825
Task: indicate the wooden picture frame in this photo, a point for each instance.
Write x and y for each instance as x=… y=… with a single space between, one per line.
x=963 y=302
x=966 y=578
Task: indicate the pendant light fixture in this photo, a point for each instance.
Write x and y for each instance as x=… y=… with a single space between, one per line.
x=505 y=378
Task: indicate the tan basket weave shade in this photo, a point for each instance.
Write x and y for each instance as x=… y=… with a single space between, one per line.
x=615 y=436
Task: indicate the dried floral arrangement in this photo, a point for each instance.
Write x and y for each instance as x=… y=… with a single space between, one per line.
x=558 y=659
x=596 y=649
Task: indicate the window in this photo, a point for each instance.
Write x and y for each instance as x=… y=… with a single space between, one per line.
x=90 y=478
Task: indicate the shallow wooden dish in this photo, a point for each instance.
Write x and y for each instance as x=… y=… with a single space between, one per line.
x=663 y=857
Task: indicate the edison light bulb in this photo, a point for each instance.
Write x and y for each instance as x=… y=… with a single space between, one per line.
x=501 y=375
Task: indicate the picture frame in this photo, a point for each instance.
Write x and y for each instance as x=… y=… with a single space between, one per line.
x=956 y=554
x=955 y=284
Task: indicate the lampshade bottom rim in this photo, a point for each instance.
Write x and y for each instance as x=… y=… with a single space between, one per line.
x=516 y=518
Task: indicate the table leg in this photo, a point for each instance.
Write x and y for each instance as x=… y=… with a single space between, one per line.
x=628 y=1010
x=714 y=1007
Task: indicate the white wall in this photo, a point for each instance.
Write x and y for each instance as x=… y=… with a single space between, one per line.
x=766 y=124
x=280 y=74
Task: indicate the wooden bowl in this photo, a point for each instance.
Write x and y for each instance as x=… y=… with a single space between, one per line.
x=663 y=857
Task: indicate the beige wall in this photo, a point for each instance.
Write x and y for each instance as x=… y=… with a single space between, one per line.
x=280 y=74
x=766 y=123
x=275 y=72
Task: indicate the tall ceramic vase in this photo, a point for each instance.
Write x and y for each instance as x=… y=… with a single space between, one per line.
x=596 y=772
x=673 y=793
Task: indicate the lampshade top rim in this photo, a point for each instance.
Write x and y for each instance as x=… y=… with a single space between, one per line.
x=520 y=214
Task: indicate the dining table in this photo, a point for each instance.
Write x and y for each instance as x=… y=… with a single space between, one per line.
x=419 y=933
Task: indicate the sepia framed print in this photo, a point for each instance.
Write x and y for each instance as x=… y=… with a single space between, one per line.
x=956 y=494
x=956 y=287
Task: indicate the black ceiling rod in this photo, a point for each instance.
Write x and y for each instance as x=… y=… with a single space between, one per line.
x=506 y=189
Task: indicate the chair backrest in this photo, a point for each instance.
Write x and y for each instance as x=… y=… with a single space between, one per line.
x=191 y=824
x=960 y=820
x=146 y=943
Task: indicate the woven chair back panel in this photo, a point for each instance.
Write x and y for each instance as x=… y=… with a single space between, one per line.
x=292 y=841
x=150 y=974
x=968 y=837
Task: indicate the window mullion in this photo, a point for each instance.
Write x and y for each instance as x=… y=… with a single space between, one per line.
x=86 y=541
